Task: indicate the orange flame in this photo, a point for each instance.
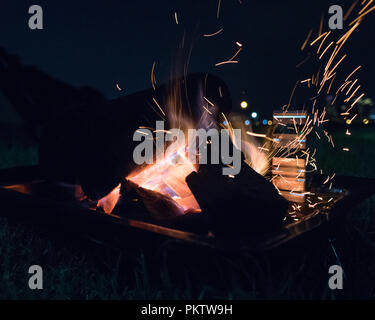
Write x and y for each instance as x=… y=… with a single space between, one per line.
x=168 y=178
x=109 y=202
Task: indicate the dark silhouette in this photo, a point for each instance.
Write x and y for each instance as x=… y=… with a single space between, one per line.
x=35 y=95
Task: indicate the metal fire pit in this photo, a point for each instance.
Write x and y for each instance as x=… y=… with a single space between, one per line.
x=27 y=196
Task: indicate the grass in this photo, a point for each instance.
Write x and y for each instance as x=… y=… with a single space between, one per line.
x=179 y=272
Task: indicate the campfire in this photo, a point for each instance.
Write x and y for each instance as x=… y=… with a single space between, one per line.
x=168 y=178
x=273 y=183
x=171 y=187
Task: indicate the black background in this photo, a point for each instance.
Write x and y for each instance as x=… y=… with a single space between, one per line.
x=101 y=43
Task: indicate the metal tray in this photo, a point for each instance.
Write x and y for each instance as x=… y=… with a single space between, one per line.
x=26 y=195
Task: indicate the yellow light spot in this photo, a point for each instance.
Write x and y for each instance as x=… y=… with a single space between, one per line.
x=269 y=122
x=365 y=121
x=244 y=104
x=348 y=121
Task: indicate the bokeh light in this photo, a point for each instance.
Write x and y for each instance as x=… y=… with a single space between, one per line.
x=244 y=104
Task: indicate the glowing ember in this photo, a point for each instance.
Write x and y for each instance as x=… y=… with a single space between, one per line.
x=168 y=178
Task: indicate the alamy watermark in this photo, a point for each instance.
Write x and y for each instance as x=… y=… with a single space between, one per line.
x=36 y=280
x=336 y=21
x=36 y=18
x=195 y=146
x=336 y=280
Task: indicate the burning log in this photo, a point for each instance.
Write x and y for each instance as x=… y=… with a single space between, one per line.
x=93 y=146
x=247 y=203
x=160 y=206
x=135 y=202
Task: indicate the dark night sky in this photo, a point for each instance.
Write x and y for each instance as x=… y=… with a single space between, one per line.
x=101 y=43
